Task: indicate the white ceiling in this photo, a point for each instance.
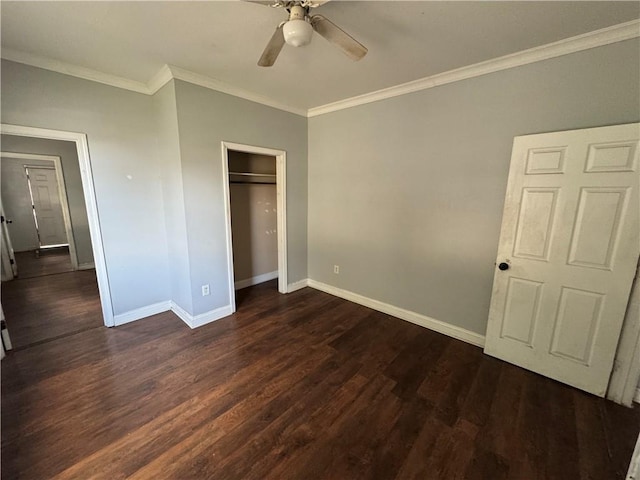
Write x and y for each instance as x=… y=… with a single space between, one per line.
x=223 y=40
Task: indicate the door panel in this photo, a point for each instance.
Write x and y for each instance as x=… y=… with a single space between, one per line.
x=570 y=235
x=597 y=227
x=579 y=315
x=521 y=310
x=535 y=223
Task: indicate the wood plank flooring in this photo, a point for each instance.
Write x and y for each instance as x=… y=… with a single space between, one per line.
x=298 y=386
x=41 y=308
x=46 y=262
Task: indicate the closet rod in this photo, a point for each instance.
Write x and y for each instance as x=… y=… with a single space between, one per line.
x=251 y=183
x=253 y=174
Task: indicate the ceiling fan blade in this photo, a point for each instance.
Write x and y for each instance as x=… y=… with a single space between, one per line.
x=289 y=3
x=272 y=50
x=329 y=30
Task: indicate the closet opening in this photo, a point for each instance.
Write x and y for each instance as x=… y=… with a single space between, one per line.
x=256 y=218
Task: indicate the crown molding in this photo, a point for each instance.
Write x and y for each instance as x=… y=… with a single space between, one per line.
x=207 y=82
x=74 y=70
x=597 y=38
x=159 y=80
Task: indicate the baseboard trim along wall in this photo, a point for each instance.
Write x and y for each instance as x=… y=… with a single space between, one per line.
x=413 y=317
x=195 y=321
x=636 y=397
x=142 y=312
x=265 y=277
x=292 y=287
x=87 y=266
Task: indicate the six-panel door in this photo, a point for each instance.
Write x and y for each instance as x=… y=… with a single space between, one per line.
x=571 y=239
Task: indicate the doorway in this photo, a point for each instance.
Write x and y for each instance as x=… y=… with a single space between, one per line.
x=255 y=189
x=37 y=210
x=93 y=234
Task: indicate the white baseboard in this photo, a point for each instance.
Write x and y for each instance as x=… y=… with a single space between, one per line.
x=87 y=266
x=142 y=312
x=636 y=397
x=265 y=277
x=202 y=319
x=413 y=317
x=195 y=321
x=181 y=313
x=292 y=287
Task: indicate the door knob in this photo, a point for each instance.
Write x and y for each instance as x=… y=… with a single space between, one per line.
x=503 y=266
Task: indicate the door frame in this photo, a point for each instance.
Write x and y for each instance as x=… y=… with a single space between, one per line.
x=62 y=193
x=6 y=251
x=281 y=207
x=86 y=175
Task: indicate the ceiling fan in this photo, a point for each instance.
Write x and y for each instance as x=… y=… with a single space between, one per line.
x=299 y=27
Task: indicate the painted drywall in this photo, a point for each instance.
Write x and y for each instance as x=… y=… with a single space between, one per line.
x=16 y=202
x=205 y=119
x=253 y=216
x=406 y=194
x=72 y=182
x=120 y=128
x=173 y=196
x=254 y=230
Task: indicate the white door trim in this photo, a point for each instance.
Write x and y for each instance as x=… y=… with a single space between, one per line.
x=62 y=191
x=86 y=174
x=281 y=206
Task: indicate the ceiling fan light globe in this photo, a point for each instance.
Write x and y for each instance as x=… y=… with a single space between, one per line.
x=297 y=33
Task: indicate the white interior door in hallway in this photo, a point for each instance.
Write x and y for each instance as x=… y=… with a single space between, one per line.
x=47 y=205
x=568 y=253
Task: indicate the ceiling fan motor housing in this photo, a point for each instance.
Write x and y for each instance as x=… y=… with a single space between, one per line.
x=297 y=31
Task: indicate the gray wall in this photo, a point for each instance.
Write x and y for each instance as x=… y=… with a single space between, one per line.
x=72 y=182
x=173 y=196
x=254 y=229
x=205 y=119
x=120 y=129
x=406 y=194
x=158 y=177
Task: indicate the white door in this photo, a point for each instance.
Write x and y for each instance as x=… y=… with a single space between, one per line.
x=568 y=252
x=47 y=205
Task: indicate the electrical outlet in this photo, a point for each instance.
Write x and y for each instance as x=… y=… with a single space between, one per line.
x=205 y=290
x=336 y=269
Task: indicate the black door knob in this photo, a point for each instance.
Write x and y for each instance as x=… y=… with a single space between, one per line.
x=503 y=266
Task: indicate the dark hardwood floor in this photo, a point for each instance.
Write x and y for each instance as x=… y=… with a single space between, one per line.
x=41 y=308
x=45 y=262
x=298 y=386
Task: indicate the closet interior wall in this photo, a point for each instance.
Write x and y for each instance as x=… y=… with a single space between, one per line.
x=252 y=189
